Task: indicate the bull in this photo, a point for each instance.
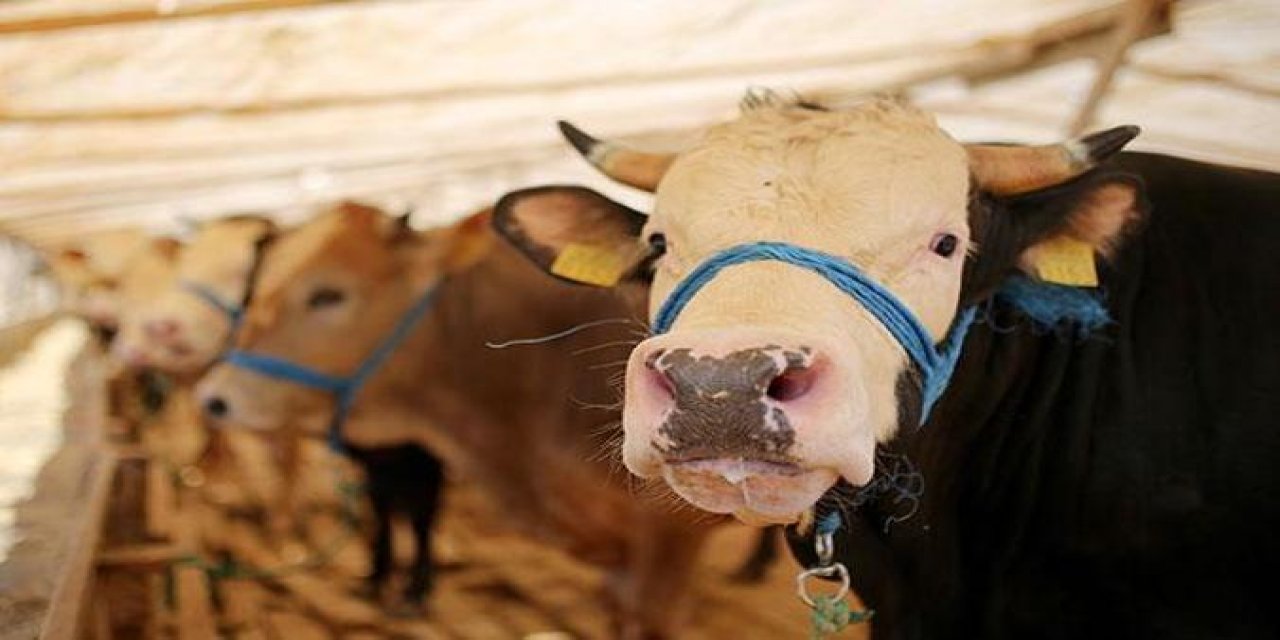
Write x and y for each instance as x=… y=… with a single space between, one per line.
x=830 y=292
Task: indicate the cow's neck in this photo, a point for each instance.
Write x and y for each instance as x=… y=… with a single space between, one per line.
x=446 y=378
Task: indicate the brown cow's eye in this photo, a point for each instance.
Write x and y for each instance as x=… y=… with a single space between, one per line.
x=325 y=297
x=944 y=244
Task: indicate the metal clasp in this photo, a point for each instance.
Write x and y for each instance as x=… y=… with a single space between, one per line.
x=824 y=546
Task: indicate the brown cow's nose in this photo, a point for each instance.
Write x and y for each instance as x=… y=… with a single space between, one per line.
x=216 y=407
x=161 y=328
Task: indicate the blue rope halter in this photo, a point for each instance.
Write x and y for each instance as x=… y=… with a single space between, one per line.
x=233 y=312
x=344 y=388
x=936 y=363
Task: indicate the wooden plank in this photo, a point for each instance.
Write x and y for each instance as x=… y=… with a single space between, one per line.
x=143 y=557
x=161 y=501
x=195 y=617
x=70 y=596
x=195 y=609
x=286 y=625
x=243 y=603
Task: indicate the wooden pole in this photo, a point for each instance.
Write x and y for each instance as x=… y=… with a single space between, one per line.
x=1133 y=23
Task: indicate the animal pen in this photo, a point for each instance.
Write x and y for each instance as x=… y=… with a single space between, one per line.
x=123 y=516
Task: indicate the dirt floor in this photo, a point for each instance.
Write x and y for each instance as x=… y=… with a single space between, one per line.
x=187 y=550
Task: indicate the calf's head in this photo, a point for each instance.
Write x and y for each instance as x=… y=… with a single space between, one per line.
x=772 y=383
x=149 y=270
x=89 y=272
x=188 y=323
x=327 y=294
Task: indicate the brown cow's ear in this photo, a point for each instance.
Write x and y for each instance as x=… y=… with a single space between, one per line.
x=468 y=241
x=1089 y=219
x=573 y=233
x=168 y=248
x=73 y=255
x=429 y=255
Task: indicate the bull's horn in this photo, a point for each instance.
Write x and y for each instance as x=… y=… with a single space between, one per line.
x=636 y=168
x=1009 y=170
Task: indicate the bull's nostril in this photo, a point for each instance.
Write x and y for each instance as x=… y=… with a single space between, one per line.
x=216 y=407
x=658 y=375
x=790 y=385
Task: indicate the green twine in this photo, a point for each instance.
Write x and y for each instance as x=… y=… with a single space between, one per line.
x=831 y=615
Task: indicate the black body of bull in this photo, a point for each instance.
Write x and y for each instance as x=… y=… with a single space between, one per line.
x=1126 y=485
x=402 y=479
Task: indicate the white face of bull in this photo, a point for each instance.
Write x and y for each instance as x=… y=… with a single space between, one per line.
x=772 y=383
x=883 y=188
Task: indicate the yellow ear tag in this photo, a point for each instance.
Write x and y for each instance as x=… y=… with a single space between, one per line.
x=589 y=264
x=1065 y=260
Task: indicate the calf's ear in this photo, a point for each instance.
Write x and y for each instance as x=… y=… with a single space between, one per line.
x=1069 y=225
x=573 y=233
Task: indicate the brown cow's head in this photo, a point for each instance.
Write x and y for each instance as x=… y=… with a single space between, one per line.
x=328 y=292
x=772 y=383
x=182 y=332
x=89 y=272
x=149 y=270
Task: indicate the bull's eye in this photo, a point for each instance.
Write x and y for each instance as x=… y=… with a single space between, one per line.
x=325 y=297
x=944 y=244
x=657 y=245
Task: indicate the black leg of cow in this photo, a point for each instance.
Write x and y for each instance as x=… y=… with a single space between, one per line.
x=380 y=551
x=423 y=500
x=762 y=557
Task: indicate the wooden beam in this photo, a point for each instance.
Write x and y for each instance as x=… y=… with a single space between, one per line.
x=95 y=13
x=1138 y=17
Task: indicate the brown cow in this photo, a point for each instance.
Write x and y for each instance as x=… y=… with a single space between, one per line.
x=532 y=423
x=88 y=272
x=184 y=324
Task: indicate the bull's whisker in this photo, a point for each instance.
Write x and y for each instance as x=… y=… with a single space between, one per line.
x=557 y=335
x=606 y=345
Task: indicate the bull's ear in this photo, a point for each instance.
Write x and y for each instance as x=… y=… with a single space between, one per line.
x=573 y=233
x=1070 y=225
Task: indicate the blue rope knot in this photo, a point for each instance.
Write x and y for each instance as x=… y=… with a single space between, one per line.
x=343 y=388
x=829 y=524
x=935 y=363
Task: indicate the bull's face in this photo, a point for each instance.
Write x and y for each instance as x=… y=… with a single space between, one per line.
x=772 y=383
x=183 y=332
x=328 y=292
